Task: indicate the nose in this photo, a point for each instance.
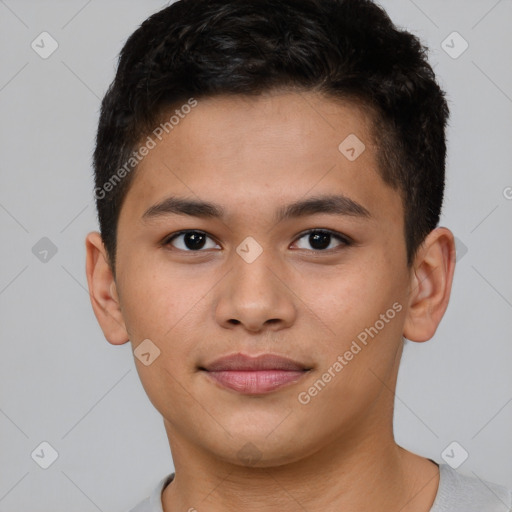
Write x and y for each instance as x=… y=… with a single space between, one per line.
x=256 y=295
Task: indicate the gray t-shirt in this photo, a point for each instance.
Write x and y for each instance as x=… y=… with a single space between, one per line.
x=456 y=493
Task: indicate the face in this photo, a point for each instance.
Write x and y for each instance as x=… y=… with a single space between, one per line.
x=324 y=283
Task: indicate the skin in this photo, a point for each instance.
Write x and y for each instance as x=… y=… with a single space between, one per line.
x=338 y=451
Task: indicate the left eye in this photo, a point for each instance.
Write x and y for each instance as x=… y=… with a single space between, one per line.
x=320 y=239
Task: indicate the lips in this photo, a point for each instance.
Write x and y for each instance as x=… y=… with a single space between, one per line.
x=254 y=375
x=242 y=362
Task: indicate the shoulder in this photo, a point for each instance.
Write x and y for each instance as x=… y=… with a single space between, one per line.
x=153 y=503
x=464 y=493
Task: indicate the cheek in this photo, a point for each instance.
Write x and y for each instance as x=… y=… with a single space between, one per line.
x=358 y=351
x=358 y=310
x=350 y=297
x=159 y=307
x=154 y=302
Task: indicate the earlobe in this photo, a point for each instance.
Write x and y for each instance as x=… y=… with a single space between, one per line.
x=103 y=291
x=431 y=282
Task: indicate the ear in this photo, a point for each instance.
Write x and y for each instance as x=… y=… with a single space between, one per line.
x=431 y=284
x=103 y=291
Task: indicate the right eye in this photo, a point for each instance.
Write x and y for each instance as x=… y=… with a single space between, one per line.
x=190 y=240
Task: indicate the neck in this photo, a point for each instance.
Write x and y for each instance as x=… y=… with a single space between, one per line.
x=355 y=473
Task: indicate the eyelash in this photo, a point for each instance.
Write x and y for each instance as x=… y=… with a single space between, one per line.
x=338 y=236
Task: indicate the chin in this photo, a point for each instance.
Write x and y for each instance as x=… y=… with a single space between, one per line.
x=259 y=450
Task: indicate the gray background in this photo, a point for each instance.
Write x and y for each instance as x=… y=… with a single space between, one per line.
x=62 y=382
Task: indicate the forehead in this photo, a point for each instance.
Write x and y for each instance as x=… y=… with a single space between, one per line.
x=254 y=151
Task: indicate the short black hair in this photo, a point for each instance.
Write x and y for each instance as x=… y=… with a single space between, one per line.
x=345 y=49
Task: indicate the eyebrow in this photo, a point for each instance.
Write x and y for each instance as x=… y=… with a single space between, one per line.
x=330 y=204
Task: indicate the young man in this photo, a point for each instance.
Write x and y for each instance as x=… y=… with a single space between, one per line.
x=269 y=180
